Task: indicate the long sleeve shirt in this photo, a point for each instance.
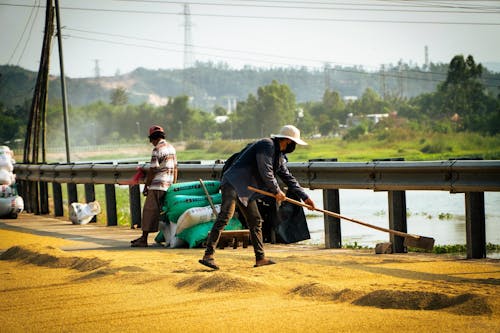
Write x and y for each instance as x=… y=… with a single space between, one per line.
x=257 y=166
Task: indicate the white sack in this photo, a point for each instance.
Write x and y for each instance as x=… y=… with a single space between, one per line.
x=11 y=206
x=82 y=213
x=194 y=216
x=6 y=163
x=7 y=177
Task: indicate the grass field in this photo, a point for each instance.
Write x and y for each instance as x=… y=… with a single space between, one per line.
x=411 y=147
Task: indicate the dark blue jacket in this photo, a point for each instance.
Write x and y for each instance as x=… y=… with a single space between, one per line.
x=257 y=166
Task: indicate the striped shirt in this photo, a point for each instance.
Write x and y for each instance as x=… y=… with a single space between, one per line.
x=164 y=165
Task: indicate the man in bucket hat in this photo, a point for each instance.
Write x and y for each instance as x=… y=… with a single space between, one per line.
x=257 y=166
x=161 y=174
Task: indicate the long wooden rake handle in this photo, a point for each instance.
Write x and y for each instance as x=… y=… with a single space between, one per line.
x=327 y=212
x=209 y=198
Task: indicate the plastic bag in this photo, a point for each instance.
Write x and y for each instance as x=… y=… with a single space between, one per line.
x=82 y=213
x=138 y=177
x=166 y=234
x=11 y=206
x=7 y=177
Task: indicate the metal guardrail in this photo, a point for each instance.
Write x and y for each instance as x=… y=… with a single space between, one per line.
x=472 y=177
x=452 y=176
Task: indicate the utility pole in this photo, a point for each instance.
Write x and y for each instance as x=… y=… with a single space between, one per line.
x=63 y=81
x=36 y=194
x=426 y=51
x=326 y=70
x=36 y=129
x=382 y=82
x=400 y=79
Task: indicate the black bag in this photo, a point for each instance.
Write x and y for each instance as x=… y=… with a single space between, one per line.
x=288 y=221
x=292 y=226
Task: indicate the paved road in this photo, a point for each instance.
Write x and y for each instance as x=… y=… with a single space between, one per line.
x=94 y=235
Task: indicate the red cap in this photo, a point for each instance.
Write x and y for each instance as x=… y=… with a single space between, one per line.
x=155 y=128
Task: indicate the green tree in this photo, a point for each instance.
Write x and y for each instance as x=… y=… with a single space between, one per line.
x=176 y=115
x=463 y=93
x=220 y=111
x=119 y=96
x=369 y=103
x=276 y=107
x=13 y=123
x=330 y=113
x=244 y=119
x=261 y=115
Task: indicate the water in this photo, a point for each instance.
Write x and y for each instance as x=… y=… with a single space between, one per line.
x=424 y=209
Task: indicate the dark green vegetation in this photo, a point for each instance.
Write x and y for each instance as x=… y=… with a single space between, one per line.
x=454 y=111
x=458 y=249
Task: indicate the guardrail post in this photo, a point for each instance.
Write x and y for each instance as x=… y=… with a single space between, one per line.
x=111 y=204
x=34 y=203
x=90 y=197
x=58 y=200
x=44 y=198
x=331 y=202
x=134 y=192
x=475 y=225
x=397 y=212
x=333 y=234
x=397 y=219
x=72 y=193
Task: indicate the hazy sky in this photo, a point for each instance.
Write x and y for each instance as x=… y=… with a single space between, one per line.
x=125 y=34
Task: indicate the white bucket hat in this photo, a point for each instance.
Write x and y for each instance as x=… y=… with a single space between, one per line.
x=290 y=132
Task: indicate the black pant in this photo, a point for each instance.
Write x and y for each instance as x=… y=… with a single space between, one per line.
x=252 y=217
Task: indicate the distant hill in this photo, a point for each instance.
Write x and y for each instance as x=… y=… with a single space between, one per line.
x=492 y=66
x=211 y=85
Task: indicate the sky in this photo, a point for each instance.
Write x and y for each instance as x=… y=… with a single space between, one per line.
x=109 y=37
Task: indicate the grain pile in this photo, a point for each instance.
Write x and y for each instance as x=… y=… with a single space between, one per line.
x=45 y=288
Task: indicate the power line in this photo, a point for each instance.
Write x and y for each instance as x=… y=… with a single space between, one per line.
x=32 y=21
x=22 y=34
x=202 y=47
x=425 y=74
x=30 y=34
x=286 y=18
x=336 y=6
x=280 y=57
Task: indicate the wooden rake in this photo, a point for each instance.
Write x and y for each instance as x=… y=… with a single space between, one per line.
x=422 y=242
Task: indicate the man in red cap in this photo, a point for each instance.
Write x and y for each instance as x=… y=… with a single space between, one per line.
x=161 y=174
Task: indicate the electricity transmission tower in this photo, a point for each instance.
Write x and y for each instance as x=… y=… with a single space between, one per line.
x=188 y=52
x=188 y=43
x=97 y=69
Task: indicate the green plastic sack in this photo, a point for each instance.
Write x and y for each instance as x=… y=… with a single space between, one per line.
x=197 y=234
x=192 y=188
x=160 y=237
x=178 y=204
